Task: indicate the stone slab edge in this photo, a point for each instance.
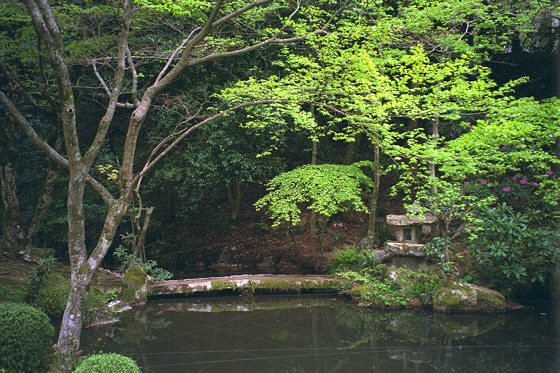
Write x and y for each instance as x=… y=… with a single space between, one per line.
x=249 y=283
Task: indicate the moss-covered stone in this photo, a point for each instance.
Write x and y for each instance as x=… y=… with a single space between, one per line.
x=463 y=297
x=246 y=284
x=223 y=285
x=278 y=285
x=135 y=286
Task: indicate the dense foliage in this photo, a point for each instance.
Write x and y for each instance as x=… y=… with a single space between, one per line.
x=26 y=337
x=51 y=296
x=210 y=97
x=327 y=189
x=513 y=249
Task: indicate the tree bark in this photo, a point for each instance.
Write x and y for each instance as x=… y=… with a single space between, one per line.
x=234 y=199
x=313 y=217
x=352 y=149
x=12 y=230
x=435 y=136
x=374 y=195
x=42 y=207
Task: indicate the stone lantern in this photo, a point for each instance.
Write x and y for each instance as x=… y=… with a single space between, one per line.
x=409 y=232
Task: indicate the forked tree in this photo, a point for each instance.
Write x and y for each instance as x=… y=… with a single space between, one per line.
x=78 y=159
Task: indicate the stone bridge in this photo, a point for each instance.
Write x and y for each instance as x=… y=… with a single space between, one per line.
x=246 y=284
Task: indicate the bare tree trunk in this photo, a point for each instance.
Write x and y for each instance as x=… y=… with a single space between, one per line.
x=374 y=196
x=556 y=274
x=435 y=136
x=12 y=231
x=234 y=200
x=313 y=217
x=138 y=248
x=53 y=173
x=352 y=149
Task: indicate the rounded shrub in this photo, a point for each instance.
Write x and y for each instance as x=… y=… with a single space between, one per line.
x=26 y=336
x=107 y=363
x=51 y=297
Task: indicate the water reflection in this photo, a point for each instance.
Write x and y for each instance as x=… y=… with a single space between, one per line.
x=323 y=334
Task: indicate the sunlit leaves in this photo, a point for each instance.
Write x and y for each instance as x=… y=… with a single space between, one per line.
x=326 y=189
x=178 y=7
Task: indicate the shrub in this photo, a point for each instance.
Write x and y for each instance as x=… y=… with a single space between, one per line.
x=26 y=336
x=107 y=363
x=45 y=267
x=512 y=249
x=352 y=258
x=12 y=293
x=51 y=296
x=48 y=291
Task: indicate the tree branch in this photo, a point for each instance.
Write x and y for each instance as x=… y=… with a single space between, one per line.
x=239 y=12
x=272 y=40
x=49 y=151
x=130 y=62
x=185 y=132
x=105 y=122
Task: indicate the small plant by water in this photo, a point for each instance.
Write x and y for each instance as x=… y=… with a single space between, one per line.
x=128 y=260
x=369 y=280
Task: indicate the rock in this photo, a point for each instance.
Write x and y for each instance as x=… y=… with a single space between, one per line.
x=287 y=266
x=383 y=255
x=34 y=254
x=463 y=297
x=135 y=286
x=367 y=243
x=267 y=264
x=395 y=271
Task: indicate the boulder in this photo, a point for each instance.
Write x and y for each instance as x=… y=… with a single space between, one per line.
x=135 y=286
x=463 y=297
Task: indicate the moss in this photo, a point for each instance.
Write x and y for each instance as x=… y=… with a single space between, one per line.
x=223 y=285
x=135 y=285
x=492 y=300
x=330 y=284
x=279 y=285
x=309 y=285
x=461 y=297
x=358 y=291
x=186 y=290
x=246 y=286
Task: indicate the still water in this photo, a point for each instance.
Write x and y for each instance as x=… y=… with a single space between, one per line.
x=324 y=334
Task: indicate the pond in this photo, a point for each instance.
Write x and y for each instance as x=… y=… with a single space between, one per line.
x=325 y=333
